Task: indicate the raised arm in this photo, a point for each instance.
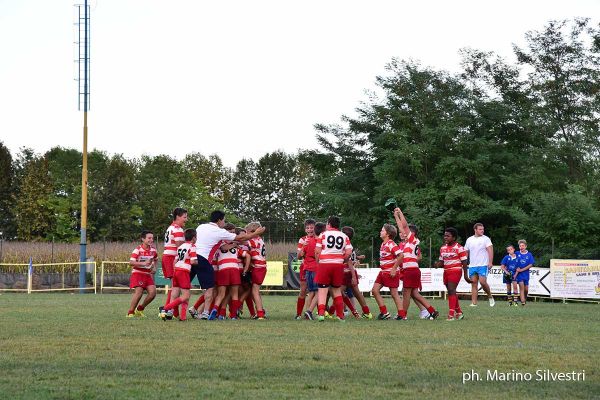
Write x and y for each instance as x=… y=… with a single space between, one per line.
x=401 y=221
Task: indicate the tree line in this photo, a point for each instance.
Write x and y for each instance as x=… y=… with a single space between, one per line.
x=512 y=145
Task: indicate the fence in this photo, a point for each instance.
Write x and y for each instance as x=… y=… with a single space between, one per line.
x=48 y=277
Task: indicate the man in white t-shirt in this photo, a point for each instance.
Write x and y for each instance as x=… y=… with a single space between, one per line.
x=208 y=239
x=481 y=256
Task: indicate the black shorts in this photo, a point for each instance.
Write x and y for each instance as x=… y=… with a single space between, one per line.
x=205 y=273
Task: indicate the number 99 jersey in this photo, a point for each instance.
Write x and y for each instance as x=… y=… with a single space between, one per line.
x=334 y=246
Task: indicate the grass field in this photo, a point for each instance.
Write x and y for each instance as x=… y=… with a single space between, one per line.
x=81 y=347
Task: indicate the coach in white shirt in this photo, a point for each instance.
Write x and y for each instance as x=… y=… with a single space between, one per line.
x=208 y=236
x=481 y=255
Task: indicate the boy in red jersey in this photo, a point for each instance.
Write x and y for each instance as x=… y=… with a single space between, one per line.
x=312 y=303
x=186 y=257
x=306 y=252
x=410 y=267
x=143 y=260
x=332 y=251
x=246 y=286
x=453 y=257
x=390 y=260
x=173 y=239
x=259 y=267
x=228 y=260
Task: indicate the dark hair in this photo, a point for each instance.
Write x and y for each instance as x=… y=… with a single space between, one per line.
x=348 y=231
x=309 y=221
x=511 y=245
x=478 y=224
x=452 y=231
x=319 y=228
x=190 y=234
x=239 y=230
x=228 y=226
x=334 y=222
x=390 y=230
x=145 y=233
x=413 y=228
x=178 y=212
x=217 y=215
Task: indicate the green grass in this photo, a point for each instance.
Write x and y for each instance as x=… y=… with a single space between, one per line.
x=81 y=346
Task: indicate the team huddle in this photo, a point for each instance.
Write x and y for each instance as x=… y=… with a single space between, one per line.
x=230 y=265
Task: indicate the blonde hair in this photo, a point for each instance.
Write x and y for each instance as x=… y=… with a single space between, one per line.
x=523 y=241
x=252 y=226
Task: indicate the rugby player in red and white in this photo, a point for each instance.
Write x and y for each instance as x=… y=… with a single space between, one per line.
x=173 y=239
x=351 y=280
x=390 y=260
x=258 y=269
x=186 y=257
x=245 y=291
x=228 y=261
x=333 y=249
x=411 y=274
x=306 y=252
x=453 y=257
x=143 y=260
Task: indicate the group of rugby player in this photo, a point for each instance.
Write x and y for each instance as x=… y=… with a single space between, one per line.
x=238 y=269
x=231 y=272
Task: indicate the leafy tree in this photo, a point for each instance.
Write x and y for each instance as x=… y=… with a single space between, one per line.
x=7 y=200
x=33 y=214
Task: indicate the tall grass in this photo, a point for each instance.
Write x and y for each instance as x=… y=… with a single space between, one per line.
x=45 y=252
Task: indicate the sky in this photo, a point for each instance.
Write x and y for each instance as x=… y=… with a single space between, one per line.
x=233 y=78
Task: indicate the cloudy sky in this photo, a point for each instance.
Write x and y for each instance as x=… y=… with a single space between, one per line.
x=235 y=78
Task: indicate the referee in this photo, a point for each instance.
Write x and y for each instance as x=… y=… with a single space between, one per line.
x=208 y=239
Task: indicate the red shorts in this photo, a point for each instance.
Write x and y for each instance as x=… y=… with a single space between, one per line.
x=348 y=278
x=330 y=275
x=229 y=277
x=258 y=275
x=385 y=279
x=167 y=262
x=412 y=278
x=181 y=279
x=140 y=280
x=302 y=272
x=452 y=275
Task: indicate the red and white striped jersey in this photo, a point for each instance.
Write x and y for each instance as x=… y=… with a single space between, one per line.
x=140 y=254
x=173 y=238
x=334 y=245
x=228 y=259
x=186 y=256
x=352 y=260
x=258 y=252
x=307 y=243
x=452 y=256
x=388 y=253
x=410 y=251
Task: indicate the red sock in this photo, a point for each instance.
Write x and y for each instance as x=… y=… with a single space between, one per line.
x=235 y=304
x=173 y=305
x=250 y=305
x=199 y=302
x=383 y=309
x=261 y=313
x=183 y=313
x=339 y=306
x=130 y=311
x=366 y=310
x=321 y=309
x=452 y=303
x=349 y=304
x=331 y=309
x=430 y=309
x=176 y=311
x=300 y=305
x=140 y=308
x=222 y=311
x=402 y=313
x=212 y=306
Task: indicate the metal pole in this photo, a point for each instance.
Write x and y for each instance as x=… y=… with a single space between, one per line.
x=84 y=177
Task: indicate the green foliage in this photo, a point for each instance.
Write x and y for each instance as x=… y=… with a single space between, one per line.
x=7 y=199
x=34 y=216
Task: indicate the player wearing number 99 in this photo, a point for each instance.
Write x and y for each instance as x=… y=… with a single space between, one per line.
x=259 y=267
x=332 y=251
x=186 y=257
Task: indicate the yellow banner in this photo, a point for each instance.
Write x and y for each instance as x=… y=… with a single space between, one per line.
x=575 y=279
x=274 y=274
